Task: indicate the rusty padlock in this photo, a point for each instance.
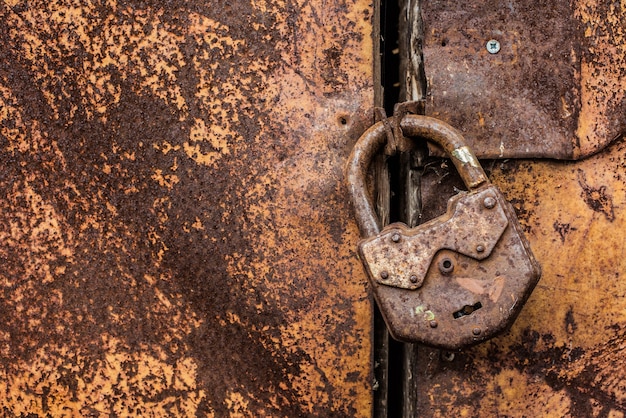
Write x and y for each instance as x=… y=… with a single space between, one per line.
x=458 y=279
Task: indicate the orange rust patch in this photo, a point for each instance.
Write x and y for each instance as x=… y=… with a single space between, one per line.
x=564 y=356
x=175 y=234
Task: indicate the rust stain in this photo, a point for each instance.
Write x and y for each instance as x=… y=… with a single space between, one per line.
x=554 y=90
x=562 y=229
x=411 y=270
x=603 y=73
x=596 y=198
x=563 y=357
x=175 y=234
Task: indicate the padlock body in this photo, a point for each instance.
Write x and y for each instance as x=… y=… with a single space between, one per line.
x=456 y=280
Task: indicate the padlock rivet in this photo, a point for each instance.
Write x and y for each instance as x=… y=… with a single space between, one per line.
x=413 y=279
x=476 y=331
x=489 y=202
x=434 y=324
x=384 y=275
x=395 y=237
x=480 y=248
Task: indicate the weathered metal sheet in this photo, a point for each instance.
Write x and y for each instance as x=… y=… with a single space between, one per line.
x=565 y=355
x=464 y=272
x=174 y=229
x=555 y=89
x=474 y=255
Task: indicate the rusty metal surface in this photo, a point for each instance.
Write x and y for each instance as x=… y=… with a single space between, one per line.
x=555 y=89
x=371 y=142
x=429 y=280
x=565 y=354
x=470 y=292
x=400 y=256
x=174 y=230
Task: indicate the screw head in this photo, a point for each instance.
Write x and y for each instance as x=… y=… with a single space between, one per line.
x=480 y=248
x=384 y=275
x=395 y=237
x=489 y=202
x=493 y=46
x=476 y=331
x=434 y=324
x=413 y=278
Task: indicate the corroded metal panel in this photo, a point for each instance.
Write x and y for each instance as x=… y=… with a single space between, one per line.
x=565 y=355
x=174 y=230
x=555 y=89
x=449 y=264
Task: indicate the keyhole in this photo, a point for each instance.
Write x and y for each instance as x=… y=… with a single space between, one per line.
x=467 y=310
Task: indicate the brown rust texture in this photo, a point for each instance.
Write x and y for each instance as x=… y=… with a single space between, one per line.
x=174 y=231
x=565 y=356
x=555 y=89
x=451 y=273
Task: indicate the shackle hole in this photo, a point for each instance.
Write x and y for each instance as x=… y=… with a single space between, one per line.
x=467 y=310
x=446 y=265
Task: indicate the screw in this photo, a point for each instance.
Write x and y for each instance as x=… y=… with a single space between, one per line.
x=433 y=324
x=489 y=202
x=413 y=279
x=476 y=331
x=480 y=248
x=395 y=237
x=384 y=275
x=493 y=46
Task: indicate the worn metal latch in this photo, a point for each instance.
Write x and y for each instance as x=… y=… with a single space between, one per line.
x=458 y=279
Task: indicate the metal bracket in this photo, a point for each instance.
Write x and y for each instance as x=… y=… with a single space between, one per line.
x=401 y=258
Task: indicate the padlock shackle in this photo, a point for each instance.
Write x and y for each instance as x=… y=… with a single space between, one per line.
x=370 y=144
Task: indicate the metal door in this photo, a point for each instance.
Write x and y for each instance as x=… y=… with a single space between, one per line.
x=554 y=90
x=174 y=232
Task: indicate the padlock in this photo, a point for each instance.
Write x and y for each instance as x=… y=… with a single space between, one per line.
x=458 y=279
